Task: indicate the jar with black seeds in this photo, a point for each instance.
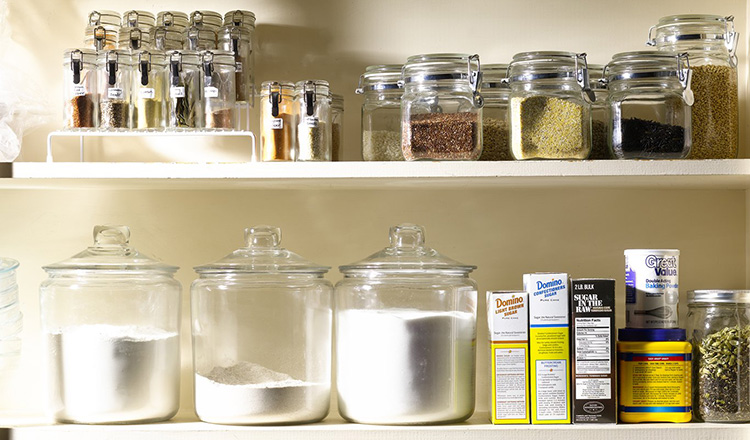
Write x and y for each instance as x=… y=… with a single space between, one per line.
x=719 y=325
x=115 y=77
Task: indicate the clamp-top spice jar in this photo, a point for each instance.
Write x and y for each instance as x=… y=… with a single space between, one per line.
x=711 y=42
x=115 y=77
x=313 y=109
x=238 y=36
x=150 y=90
x=219 y=89
x=550 y=106
x=102 y=30
x=649 y=105
x=80 y=89
x=167 y=35
x=185 y=106
x=441 y=109
x=496 y=94
x=278 y=121
x=381 y=112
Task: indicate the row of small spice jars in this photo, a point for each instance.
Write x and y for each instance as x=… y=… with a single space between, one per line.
x=149 y=90
x=262 y=326
x=300 y=122
x=174 y=30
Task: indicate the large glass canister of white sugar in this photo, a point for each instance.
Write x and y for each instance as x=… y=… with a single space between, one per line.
x=406 y=335
x=110 y=323
x=262 y=324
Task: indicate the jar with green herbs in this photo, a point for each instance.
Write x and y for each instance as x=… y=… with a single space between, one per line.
x=496 y=94
x=219 y=90
x=185 y=106
x=150 y=90
x=115 y=77
x=719 y=325
x=711 y=43
x=550 y=99
x=381 y=112
x=313 y=109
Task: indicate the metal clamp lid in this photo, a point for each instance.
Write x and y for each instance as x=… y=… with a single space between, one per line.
x=475 y=80
x=729 y=36
x=76 y=65
x=582 y=76
x=175 y=67
x=112 y=66
x=685 y=75
x=208 y=67
x=144 y=66
x=310 y=97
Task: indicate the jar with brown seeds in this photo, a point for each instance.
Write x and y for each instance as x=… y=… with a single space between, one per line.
x=79 y=89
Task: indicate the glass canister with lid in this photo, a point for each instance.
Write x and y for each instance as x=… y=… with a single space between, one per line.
x=150 y=90
x=313 y=110
x=381 y=112
x=278 y=121
x=111 y=321
x=80 y=89
x=136 y=31
x=649 y=105
x=185 y=106
x=337 y=126
x=102 y=30
x=219 y=89
x=719 y=328
x=417 y=309
x=441 y=109
x=262 y=323
x=496 y=93
x=206 y=19
x=711 y=43
x=550 y=106
x=115 y=78
x=242 y=43
x=599 y=114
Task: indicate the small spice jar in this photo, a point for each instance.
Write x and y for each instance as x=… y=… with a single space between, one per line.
x=278 y=121
x=111 y=325
x=167 y=35
x=719 y=328
x=219 y=89
x=654 y=375
x=185 y=106
x=381 y=112
x=441 y=110
x=496 y=94
x=150 y=90
x=313 y=110
x=423 y=308
x=115 y=78
x=80 y=89
x=262 y=325
x=599 y=114
x=242 y=43
x=549 y=106
x=102 y=30
x=337 y=126
x=711 y=42
x=649 y=102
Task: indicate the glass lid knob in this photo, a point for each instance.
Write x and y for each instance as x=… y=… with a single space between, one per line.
x=263 y=236
x=111 y=235
x=407 y=236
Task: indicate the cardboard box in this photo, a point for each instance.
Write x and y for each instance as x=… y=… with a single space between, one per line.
x=594 y=353
x=508 y=322
x=549 y=347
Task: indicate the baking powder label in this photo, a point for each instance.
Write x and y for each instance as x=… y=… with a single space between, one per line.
x=79 y=90
x=115 y=93
x=177 y=92
x=211 y=92
x=651 y=288
x=146 y=93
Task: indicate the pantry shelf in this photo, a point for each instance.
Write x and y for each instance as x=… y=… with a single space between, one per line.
x=680 y=174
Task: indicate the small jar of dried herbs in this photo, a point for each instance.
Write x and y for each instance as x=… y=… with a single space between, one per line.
x=496 y=94
x=313 y=110
x=441 y=110
x=79 y=89
x=184 y=103
x=115 y=78
x=381 y=112
x=719 y=325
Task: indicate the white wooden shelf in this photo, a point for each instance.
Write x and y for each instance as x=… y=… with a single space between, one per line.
x=722 y=174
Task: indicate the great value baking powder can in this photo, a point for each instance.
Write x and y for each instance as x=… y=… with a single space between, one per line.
x=651 y=287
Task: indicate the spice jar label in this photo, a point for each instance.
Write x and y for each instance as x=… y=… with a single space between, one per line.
x=177 y=92
x=146 y=93
x=79 y=90
x=310 y=121
x=238 y=67
x=277 y=124
x=115 y=93
x=211 y=92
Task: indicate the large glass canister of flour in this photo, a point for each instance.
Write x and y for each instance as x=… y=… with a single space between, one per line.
x=406 y=335
x=441 y=110
x=550 y=106
x=496 y=94
x=381 y=112
x=110 y=322
x=262 y=325
x=711 y=42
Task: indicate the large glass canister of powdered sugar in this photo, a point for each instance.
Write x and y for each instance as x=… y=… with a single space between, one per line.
x=406 y=335
x=110 y=323
x=262 y=324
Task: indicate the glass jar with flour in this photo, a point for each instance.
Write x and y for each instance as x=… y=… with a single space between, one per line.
x=406 y=335
x=110 y=321
x=262 y=325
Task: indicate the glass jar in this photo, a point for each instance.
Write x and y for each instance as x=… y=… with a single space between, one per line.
x=80 y=89
x=417 y=309
x=381 y=112
x=115 y=78
x=599 y=114
x=111 y=321
x=711 y=42
x=104 y=17
x=549 y=106
x=262 y=324
x=198 y=38
x=134 y=38
x=719 y=328
x=337 y=126
x=206 y=19
x=649 y=105
x=11 y=318
x=219 y=89
x=278 y=121
x=246 y=71
x=143 y=20
x=496 y=93
x=313 y=110
x=185 y=106
x=150 y=90
x=102 y=30
x=441 y=109
x=166 y=38
x=173 y=19
x=238 y=40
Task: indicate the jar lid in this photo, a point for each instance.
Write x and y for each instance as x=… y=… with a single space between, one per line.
x=7 y=265
x=493 y=76
x=208 y=19
x=380 y=77
x=134 y=38
x=111 y=251
x=651 y=334
x=718 y=296
x=694 y=27
x=240 y=18
x=120 y=56
x=262 y=254
x=84 y=55
x=102 y=17
x=408 y=254
x=337 y=102
x=166 y=38
x=141 y=19
x=195 y=37
x=441 y=66
x=284 y=87
x=222 y=57
x=596 y=74
x=172 y=19
x=230 y=31
x=189 y=57
x=317 y=86
x=104 y=33
x=152 y=56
